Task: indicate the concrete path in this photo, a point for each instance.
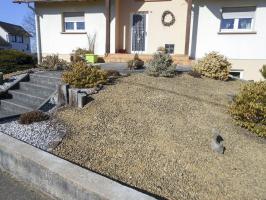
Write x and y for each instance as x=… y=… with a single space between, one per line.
x=121 y=67
x=11 y=189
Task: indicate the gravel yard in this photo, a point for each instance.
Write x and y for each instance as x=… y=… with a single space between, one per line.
x=44 y=135
x=155 y=134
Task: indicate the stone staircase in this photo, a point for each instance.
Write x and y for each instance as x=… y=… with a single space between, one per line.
x=29 y=95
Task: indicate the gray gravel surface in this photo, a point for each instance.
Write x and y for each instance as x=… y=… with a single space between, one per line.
x=44 y=135
x=155 y=134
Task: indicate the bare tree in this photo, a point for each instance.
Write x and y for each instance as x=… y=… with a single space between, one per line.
x=29 y=25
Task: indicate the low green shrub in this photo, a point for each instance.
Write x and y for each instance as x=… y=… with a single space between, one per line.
x=136 y=63
x=263 y=71
x=161 y=65
x=249 y=107
x=53 y=62
x=31 y=117
x=12 y=61
x=82 y=76
x=214 y=66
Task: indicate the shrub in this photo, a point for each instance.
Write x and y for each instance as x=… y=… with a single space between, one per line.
x=249 y=107
x=214 y=65
x=79 y=55
x=161 y=65
x=53 y=62
x=112 y=72
x=136 y=63
x=195 y=74
x=263 y=71
x=82 y=76
x=12 y=61
x=31 y=117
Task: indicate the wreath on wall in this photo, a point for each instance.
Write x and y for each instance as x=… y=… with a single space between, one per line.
x=167 y=14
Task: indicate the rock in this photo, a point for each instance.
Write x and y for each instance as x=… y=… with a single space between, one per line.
x=217 y=143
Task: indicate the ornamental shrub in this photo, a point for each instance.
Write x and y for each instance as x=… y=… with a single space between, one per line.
x=136 y=63
x=79 y=54
x=82 y=76
x=161 y=65
x=214 y=66
x=53 y=62
x=249 y=107
x=31 y=117
x=263 y=71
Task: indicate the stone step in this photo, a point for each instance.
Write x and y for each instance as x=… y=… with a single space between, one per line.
x=44 y=80
x=15 y=105
x=25 y=97
x=39 y=90
x=4 y=114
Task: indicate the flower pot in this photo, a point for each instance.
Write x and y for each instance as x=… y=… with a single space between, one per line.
x=91 y=58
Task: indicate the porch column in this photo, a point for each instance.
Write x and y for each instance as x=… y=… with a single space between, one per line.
x=188 y=25
x=107 y=16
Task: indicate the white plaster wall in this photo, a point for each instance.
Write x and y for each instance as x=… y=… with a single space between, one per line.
x=3 y=33
x=53 y=41
x=247 y=47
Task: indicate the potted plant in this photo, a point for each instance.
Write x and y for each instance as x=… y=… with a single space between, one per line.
x=91 y=57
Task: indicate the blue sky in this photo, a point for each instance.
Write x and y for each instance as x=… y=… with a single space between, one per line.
x=12 y=12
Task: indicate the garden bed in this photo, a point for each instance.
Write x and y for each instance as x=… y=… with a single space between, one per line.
x=155 y=134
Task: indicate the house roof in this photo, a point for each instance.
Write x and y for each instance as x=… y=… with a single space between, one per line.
x=14 y=29
x=3 y=42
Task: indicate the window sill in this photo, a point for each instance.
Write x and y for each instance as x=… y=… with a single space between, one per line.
x=74 y=32
x=237 y=32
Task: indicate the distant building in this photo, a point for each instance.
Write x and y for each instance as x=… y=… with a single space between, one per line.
x=14 y=37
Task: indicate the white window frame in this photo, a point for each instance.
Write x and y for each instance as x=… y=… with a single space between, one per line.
x=76 y=19
x=237 y=19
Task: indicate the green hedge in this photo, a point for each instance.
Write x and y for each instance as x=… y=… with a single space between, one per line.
x=12 y=60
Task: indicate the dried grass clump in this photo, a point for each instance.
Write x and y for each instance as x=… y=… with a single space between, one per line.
x=31 y=117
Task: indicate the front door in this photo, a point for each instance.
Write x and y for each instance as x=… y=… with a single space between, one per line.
x=138 y=40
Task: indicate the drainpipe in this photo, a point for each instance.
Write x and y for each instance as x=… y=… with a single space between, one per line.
x=38 y=33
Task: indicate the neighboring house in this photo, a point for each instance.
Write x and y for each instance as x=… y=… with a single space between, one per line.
x=14 y=37
x=235 y=28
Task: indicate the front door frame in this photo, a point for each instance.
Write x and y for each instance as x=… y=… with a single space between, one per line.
x=146 y=30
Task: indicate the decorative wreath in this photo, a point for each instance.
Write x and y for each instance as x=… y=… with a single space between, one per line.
x=168 y=23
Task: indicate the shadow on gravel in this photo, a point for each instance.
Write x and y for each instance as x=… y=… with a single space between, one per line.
x=176 y=93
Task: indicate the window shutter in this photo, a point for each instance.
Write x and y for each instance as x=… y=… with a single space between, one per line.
x=243 y=12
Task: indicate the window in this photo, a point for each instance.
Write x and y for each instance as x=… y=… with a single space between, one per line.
x=19 y=39
x=239 y=19
x=170 y=48
x=237 y=73
x=16 y=38
x=74 y=22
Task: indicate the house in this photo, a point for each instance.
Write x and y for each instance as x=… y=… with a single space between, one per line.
x=14 y=37
x=186 y=28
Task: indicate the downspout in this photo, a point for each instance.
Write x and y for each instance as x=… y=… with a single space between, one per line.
x=38 y=33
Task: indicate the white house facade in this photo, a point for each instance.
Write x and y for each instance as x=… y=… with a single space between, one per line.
x=14 y=37
x=234 y=28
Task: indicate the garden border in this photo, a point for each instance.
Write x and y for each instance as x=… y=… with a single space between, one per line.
x=57 y=177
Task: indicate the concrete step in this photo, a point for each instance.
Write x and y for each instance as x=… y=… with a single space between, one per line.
x=45 y=80
x=13 y=105
x=5 y=113
x=39 y=90
x=25 y=97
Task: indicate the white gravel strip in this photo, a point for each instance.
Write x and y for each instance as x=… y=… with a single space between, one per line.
x=44 y=135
